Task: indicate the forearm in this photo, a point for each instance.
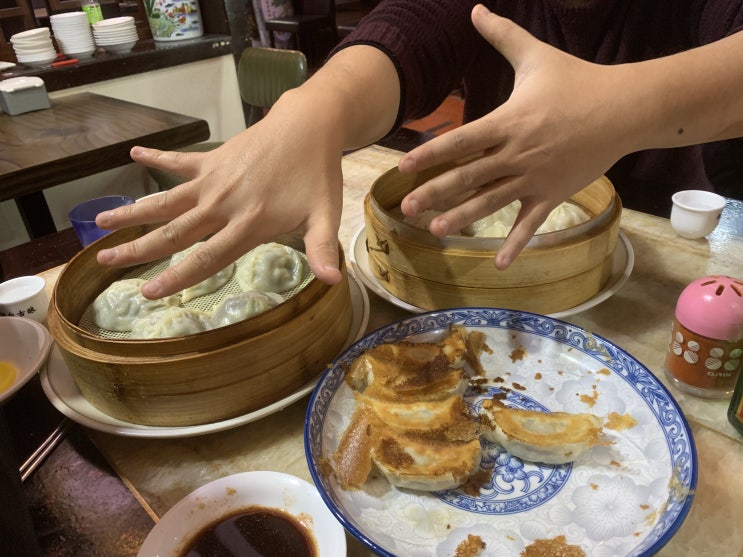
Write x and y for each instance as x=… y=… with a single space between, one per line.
x=353 y=99
x=689 y=98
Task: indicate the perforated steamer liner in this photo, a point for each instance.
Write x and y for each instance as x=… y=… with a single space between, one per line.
x=205 y=303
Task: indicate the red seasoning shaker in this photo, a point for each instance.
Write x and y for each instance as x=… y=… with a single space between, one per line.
x=706 y=348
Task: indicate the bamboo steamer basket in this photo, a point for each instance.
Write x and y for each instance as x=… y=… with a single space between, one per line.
x=555 y=272
x=202 y=378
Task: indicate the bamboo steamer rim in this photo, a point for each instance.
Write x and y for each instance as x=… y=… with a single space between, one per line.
x=405 y=183
x=468 y=252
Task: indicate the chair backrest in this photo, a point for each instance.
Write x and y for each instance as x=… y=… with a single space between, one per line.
x=315 y=7
x=264 y=74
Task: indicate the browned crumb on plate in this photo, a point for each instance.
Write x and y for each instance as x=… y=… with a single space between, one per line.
x=518 y=354
x=555 y=547
x=591 y=399
x=476 y=481
x=470 y=547
x=618 y=422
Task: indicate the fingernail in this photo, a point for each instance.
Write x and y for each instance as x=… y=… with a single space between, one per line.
x=103 y=219
x=152 y=289
x=414 y=206
x=481 y=10
x=406 y=164
x=106 y=255
x=502 y=262
x=137 y=151
x=443 y=226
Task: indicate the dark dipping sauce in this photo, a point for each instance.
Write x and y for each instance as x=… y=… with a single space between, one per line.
x=253 y=532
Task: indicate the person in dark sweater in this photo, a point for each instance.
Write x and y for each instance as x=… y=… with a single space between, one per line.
x=557 y=92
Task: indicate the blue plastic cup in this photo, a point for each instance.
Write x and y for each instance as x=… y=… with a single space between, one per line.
x=83 y=216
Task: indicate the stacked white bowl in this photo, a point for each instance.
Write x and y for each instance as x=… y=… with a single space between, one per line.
x=73 y=35
x=117 y=34
x=34 y=47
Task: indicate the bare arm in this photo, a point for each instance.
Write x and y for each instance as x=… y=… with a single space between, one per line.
x=281 y=175
x=567 y=122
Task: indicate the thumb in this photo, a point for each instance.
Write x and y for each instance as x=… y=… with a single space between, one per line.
x=508 y=38
x=321 y=247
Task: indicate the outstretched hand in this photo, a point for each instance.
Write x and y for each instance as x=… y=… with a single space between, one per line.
x=554 y=136
x=242 y=194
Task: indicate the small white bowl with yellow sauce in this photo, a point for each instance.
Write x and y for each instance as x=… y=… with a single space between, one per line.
x=24 y=347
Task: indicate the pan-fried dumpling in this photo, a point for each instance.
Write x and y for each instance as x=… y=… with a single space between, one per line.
x=116 y=308
x=271 y=267
x=206 y=286
x=243 y=305
x=171 y=322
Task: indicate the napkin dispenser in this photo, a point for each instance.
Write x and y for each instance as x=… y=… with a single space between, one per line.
x=23 y=94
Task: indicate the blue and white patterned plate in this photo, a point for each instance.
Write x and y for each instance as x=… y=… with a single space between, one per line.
x=624 y=499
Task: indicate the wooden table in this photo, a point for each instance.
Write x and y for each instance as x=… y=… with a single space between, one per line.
x=80 y=135
x=637 y=318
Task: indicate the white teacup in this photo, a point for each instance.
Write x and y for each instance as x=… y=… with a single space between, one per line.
x=24 y=297
x=695 y=213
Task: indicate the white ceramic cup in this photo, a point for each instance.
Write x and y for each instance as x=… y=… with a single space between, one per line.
x=24 y=297
x=695 y=213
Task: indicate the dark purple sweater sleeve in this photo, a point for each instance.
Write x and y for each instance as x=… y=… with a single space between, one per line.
x=430 y=42
x=435 y=48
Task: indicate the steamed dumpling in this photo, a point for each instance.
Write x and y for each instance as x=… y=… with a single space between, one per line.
x=499 y=224
x=271 y=267
x=171 y=322
x=243 y=305
x=206 y=286
x=563 y=216
x=116 y=308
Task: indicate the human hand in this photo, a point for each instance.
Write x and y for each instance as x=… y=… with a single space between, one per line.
x=242 y=194
x=555 y=135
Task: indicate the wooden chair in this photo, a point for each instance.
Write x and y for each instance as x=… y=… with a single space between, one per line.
x=263 y=75
x=313 y=24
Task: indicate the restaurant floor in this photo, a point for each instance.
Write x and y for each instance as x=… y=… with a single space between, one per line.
x=78 y=504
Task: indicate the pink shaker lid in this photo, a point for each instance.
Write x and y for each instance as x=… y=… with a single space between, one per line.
x=713 y=307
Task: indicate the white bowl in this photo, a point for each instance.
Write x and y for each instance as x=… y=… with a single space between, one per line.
x=229 y=495
x=24 y=344
x=87 y=53
x=696 y=213
x=30 y=35
x=74 y=16
x=119 y=47
x=24 y=297
x=123 y=21
x=117 y=39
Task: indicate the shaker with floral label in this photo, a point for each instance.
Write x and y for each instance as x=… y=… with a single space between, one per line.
x=705 y=352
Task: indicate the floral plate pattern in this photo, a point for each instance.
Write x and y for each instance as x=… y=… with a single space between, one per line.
x=624 y=499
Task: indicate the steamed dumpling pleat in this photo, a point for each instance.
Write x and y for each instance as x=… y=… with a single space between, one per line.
x=206 y=286
x=271 y=267
x=116 y=308
x=171 y=322
x=243 y=305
